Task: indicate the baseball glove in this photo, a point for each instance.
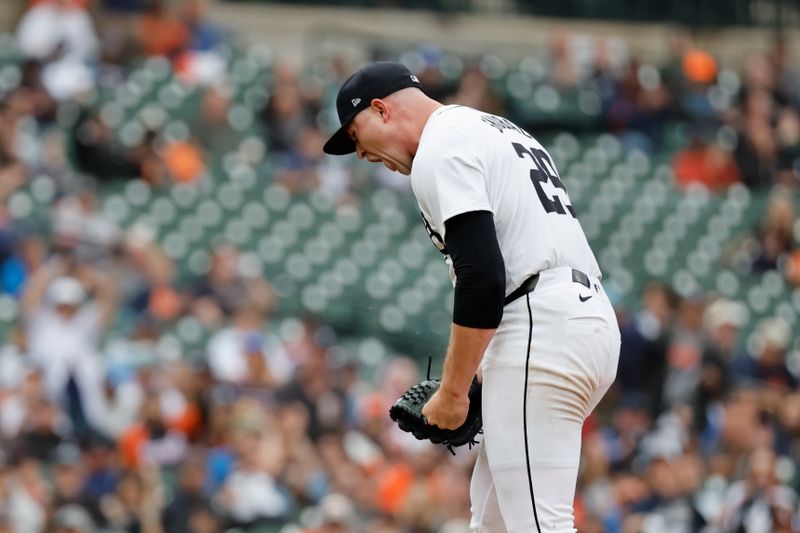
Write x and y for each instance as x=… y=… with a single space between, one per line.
x=407 y=412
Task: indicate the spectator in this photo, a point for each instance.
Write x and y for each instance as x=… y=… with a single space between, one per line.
x=242 y=354
x=336 y=515
x=228 y=286
x=669 y=506
x=787 y=73
x=28 y=256
x=474 y=90
x=112 y=400
x=100 y=154
x=42 y=432
x=52 y=24
x=788 y=136
x=767 y=365
x=161 y=33
x=638 y=106
x=152 y=441
x=21 y=399
x=201 y=62
x=300 y=170
x=756 y=149
x=698 y=73
x=562 y=65
x=79 y=225
x=135 y=506
x=101 y=474
x=31 y=98
x=60 y=34
x=312 y=387
x=759 y=502
x=285 y=116
x=182 y=160
x=684 y=353
x=704 y=162
x=160 y=298
x=63 y=329
x=644 y=343
x=12 y=172
x=774 y=239
x=73 y=519
x=251 y=495
x=68 y=482
x=190 y=500
x=28 y=496
x=212 y=126
x=722 y=321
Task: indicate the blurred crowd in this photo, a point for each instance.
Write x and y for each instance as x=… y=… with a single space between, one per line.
x=106 y=427
x=703 y=432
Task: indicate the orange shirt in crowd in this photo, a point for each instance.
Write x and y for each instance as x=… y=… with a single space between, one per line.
x=162 y=36
x=184 y=162
x=77 y=4
x=793 y=268
x=393 y=486
x=165 y=303
x=130 y=444
x=707 y=165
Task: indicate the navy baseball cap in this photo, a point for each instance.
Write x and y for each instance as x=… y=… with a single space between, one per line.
x=376 y=80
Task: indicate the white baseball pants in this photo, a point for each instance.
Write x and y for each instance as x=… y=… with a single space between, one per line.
x=552 y=359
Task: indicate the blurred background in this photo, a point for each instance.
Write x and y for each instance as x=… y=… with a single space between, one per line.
x=203 y=320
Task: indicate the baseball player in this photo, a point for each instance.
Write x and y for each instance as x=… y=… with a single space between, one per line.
x=529 y=309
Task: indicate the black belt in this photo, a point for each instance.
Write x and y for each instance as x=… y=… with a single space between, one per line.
x=529 y=284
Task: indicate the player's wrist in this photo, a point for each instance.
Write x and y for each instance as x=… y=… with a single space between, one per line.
x=451 y=392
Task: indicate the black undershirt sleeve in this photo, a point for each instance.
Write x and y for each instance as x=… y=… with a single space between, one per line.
x=471 y=242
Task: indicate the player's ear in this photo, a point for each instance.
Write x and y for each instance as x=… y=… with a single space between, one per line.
x=381 y=108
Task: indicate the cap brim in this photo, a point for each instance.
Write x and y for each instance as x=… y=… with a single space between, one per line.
x=340 y=142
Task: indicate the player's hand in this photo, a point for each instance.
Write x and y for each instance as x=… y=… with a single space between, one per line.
x=447 y=411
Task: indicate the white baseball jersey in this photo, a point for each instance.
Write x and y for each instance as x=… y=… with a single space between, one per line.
x=555 y=353
x=468 y=160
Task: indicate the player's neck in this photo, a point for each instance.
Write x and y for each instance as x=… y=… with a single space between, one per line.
x=426 y=109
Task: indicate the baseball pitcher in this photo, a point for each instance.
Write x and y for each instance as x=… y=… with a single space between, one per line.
x=530 y=315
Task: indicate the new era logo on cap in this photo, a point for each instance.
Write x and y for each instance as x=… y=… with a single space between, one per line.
x=414 y=79
x=355 y=101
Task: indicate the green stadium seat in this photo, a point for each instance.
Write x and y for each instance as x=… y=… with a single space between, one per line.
x=208 y=213
x=20 y=205
x=163 y=211
x=9 y=310
x=199 y=262
x=131 y=133
x=364 y=253
x=277 y=197
x=301 y=215
x=392 y=319
x=237 y=231
x=298 y=267
x=348 y=271
x=271 y=249
x=256 y=215
x=317 y=251
x=378 y=286
x=175 y=245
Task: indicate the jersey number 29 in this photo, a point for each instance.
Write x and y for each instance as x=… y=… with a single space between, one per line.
x=542 y=171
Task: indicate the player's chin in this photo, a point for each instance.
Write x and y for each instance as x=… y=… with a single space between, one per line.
x=402 y=169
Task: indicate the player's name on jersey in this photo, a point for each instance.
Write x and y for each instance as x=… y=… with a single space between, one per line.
x=503 y=124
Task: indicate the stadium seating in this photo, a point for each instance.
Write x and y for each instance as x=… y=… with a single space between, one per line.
x=368 y=269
